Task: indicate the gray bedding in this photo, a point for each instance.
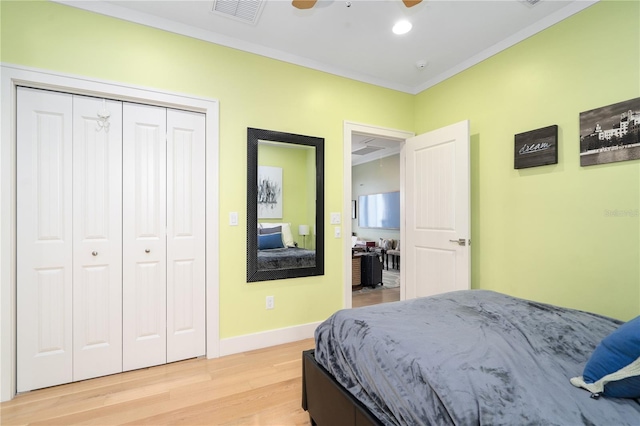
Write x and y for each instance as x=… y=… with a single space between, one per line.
x=470 y=358
x=286 y=258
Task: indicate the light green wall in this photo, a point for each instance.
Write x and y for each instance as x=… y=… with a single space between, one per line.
x=543 y=233
x=374 y=177
x=295 y=195
x=253 y=91
x=310 y=241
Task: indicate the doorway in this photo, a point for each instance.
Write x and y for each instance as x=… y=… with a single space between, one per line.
x=363 y=132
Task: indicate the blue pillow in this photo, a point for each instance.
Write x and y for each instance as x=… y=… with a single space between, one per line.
x=270 y=241
x=614 y=367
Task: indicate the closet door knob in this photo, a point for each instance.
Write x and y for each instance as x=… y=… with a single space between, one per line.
x=147 y=251
x=94 y=253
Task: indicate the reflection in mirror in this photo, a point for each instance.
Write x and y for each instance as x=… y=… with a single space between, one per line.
x=285 y=205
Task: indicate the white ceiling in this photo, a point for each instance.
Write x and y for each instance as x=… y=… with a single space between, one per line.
x=356 y=41
x=366 y=148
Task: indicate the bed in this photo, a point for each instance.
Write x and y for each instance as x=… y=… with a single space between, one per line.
x=464 y=358
x=286 y=258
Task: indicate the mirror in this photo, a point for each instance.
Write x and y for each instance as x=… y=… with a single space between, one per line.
x=285 y=205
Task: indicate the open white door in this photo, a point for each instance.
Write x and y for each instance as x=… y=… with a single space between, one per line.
x=435 y=241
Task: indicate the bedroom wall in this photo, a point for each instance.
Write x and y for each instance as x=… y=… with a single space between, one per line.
x=253 y=91
x=375 y=177
x=544 y=233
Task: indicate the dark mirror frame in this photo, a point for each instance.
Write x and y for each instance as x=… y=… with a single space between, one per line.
x=253 y=138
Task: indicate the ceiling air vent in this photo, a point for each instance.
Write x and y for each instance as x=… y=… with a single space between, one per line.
x=367 y=150
x=241 y=10
x=530 y=3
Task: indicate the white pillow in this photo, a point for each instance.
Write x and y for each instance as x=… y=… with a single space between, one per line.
x=287 y=236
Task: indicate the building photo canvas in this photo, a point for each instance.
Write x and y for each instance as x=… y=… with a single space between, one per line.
x=610 y=134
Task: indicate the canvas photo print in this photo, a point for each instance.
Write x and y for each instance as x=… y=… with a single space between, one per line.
x=610 y=134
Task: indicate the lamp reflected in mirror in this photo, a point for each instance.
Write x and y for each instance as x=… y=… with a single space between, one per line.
x=303 y=230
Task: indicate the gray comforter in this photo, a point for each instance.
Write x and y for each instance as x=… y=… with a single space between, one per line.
x=286 y=258
x=469 y=358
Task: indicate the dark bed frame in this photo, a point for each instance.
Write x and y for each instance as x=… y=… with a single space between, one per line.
x=327 y=401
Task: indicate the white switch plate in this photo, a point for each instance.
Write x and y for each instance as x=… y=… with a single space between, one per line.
x=233 y=218
x=335 y=218
x=336 y=232
x=270 y=302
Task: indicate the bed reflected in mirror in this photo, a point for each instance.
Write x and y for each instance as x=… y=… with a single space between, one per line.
x=285 y=201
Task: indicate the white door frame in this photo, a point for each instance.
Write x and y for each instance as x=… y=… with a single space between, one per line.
x=12 y=76
x=365 y=129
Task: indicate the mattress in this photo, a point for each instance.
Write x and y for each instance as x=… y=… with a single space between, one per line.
x=469 y=357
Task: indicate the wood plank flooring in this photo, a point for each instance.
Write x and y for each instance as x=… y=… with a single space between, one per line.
x=262 y=387
x=375 y=297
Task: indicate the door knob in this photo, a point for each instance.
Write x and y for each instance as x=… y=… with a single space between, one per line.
x=147 y=251
x=94 y=253
x=460 y=241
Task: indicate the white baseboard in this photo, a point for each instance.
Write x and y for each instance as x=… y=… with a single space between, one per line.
x=265 y=339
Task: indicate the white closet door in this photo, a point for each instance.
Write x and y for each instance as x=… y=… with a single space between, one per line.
x=44 y=239
x=144 y=236
x=185 y=235
x=97 y=238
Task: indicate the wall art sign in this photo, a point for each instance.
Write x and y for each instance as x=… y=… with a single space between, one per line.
x=610 y=134
x=536 y=148
x=269 y=192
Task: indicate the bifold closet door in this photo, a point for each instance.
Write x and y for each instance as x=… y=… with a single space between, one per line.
x=144 y=236
x=44 y=239
x=185 y=235
x=97 y=237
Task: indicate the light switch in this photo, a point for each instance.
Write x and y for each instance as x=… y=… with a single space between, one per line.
x=335 y=218
x=233 y=218
x=336 y=232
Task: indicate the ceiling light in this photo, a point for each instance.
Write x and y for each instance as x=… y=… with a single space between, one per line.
x=402 y=27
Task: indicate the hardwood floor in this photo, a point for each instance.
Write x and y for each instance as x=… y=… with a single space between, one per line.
x=375 y=297
x=262 y=387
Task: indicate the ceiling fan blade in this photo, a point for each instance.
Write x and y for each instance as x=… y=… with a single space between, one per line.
x=305 y=4
x=411 y=3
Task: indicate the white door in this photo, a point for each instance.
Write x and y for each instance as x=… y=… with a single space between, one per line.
x=435 y=245
x=185 y=235
x=144 y=236
x=44 y=243
x=97 y=238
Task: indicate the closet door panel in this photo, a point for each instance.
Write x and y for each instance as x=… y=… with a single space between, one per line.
x=97 y=230
x=44 y=239
x=144 y=236
x=185 y=235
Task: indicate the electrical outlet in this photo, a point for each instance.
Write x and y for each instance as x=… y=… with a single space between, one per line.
x=336 y=232
x=270 y=302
